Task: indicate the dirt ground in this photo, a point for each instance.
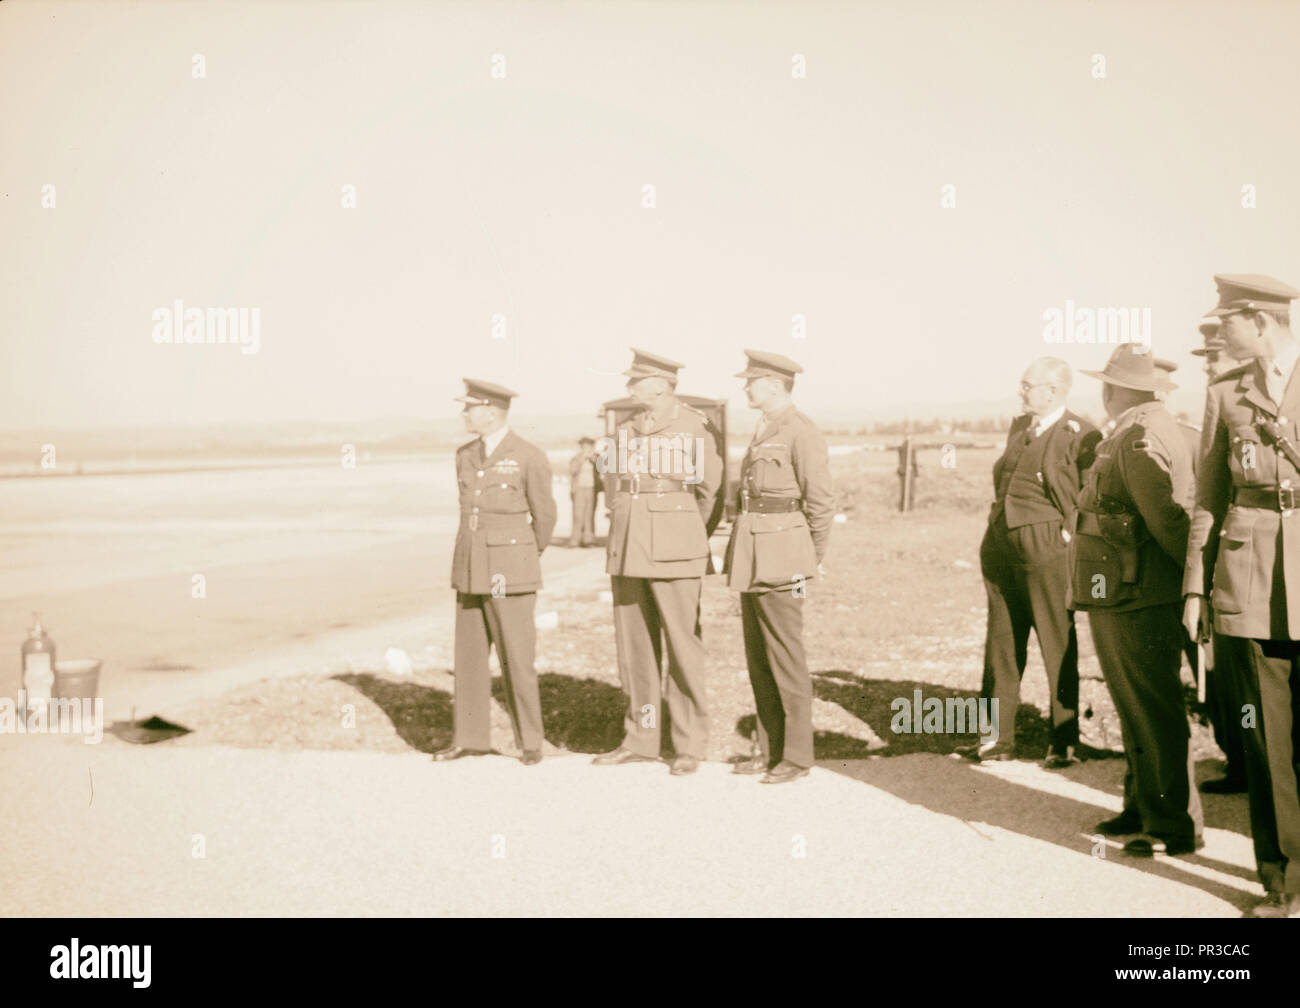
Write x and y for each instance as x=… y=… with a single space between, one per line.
x=901 y=608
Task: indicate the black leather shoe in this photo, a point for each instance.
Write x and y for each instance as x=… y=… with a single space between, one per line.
x=1151 y=844
x=998 y=752
x=531 y=757
x=619 y=756
x=456 y=752
x=1276 y=904
x=753 y=765
x=783 y=773
x=683 y=765
x=1122 y=825
x=1059 y=759
x=1224 y=785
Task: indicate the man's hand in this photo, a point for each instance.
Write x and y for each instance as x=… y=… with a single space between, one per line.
x=1196 y=618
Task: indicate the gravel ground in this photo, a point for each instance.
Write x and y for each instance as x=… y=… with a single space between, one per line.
x=211 y=830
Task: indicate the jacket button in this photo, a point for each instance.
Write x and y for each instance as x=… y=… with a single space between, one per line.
x=478 y=491
x=480 y=474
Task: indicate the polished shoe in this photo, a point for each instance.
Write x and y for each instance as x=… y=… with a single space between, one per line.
x=1150 y=844
x=531 y=757
x=457 y=752
x=1123 y=824
x=998 y=752
x=1276 y=904
x=1059 y=759
x=753 y=765
x=783 y=773
x=619 y=756
x=1224 y=785
x=683 y=765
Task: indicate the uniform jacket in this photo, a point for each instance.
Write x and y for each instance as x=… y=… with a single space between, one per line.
x=507 y=514
x=1246 y=559
x=1143 y=469
x=773 y=551
x=656 y=534
x=1069 y=451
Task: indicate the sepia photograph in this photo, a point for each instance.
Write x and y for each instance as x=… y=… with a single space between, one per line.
x=678 y=459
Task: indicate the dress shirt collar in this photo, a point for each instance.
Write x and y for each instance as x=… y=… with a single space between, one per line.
x=493 y=441
x=1042 y=423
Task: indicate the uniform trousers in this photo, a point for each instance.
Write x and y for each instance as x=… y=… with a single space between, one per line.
x=583 y=530
x=778 y=672
x=1026 y=573
x=1268 y=681
x=506 y=623
x=1140 y=655
x=651 y=614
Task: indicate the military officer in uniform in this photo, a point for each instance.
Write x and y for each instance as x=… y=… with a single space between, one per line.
x=1220 y=698
x=1036 y=485
x=1126 y=559
x=663 y=472
x=777 y=543
x=1244 y=553
x=507 y=514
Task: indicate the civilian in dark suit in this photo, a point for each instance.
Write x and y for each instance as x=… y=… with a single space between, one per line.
x=1023 y=559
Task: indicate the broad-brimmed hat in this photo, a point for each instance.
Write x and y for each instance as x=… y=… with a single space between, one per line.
x=1132 y=366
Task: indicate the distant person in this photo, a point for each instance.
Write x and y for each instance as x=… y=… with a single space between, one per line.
x=584 y=489
x=1023 y=559
x=1127 y=571
x=776 y=547
x=507 y=514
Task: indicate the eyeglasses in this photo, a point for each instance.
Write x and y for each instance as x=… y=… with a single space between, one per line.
x=1028 y=387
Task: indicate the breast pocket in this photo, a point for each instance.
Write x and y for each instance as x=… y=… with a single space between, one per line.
x=676 y=529
x=773 y=471
x=1234 y=567
x=1248 y=458
x=504 y=493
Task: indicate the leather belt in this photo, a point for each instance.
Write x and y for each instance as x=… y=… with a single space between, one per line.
x=769 y=505
x=497 y=519
x=1278 y=498
x=650 y=484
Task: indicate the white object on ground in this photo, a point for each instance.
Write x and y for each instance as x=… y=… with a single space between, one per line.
x=398 y=662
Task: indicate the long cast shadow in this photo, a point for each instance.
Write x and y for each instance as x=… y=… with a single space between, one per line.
x=420 y=714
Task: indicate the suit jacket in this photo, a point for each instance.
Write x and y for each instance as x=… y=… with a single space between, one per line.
x=770 y=551
x=1071 y=444
x=507 y=515
x=662 y=535
x=1246 y=559
x=1145 y=469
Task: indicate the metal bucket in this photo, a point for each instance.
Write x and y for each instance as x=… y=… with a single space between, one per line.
x=77 y=679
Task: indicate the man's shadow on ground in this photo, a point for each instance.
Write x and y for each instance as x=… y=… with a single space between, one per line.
x=956 y=787
x=580 y=715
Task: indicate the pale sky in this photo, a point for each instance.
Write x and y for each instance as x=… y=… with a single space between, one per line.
x=522 y=196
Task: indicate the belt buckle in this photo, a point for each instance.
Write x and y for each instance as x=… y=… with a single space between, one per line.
x=473 y=523
x=1286 y=498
